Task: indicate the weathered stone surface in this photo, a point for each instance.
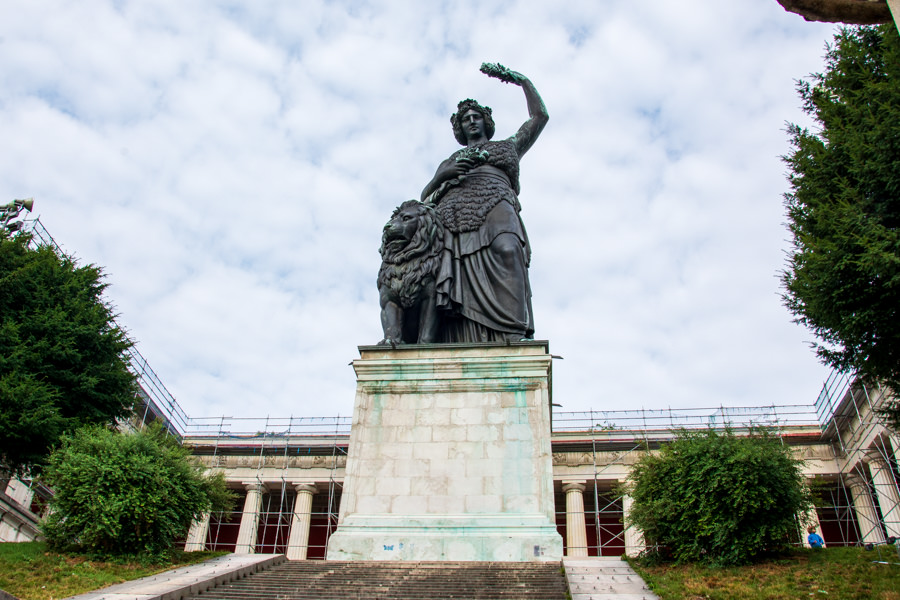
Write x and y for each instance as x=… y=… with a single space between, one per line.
x=467 y=478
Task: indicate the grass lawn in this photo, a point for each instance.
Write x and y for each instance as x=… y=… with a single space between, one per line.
x=832 y=573
x=28 y=571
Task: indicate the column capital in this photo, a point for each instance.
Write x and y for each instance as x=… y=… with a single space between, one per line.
x=855 y=480
x=874 y=455
x=254 y=486
x=305 y=486
x=573 y=486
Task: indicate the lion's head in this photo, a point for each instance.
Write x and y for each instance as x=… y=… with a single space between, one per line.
x=411 y=245
x=413 y=231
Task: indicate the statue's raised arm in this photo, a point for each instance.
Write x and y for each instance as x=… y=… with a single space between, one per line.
x=537 y=112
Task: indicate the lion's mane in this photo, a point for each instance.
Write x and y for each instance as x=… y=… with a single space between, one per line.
x=404 y=269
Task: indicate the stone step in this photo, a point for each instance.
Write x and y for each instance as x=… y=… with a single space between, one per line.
x=605 y=579
x=302 y=580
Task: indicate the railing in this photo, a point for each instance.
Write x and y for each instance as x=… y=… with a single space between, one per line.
x=686 y=418
x=40 y=234
x=164 y=403
x=626 y=420
x=261 y=428
x=833 y=391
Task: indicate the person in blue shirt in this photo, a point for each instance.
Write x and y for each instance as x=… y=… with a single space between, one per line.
x=814 y=539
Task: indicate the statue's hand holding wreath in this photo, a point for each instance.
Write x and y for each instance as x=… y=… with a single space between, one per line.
x=504 y=74
x=537 y=112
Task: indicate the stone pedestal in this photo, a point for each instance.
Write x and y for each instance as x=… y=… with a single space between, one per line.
x=449 y=456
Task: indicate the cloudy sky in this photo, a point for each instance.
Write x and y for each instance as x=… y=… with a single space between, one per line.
x=231 y=165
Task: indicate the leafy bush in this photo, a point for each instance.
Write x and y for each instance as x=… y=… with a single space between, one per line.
x=718 y=498
x=126 y=494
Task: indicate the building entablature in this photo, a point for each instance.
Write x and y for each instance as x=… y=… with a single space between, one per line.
x=575 y=456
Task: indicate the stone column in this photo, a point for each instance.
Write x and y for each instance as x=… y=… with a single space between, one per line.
x=866 y=516
x=886 y=492
x=895 y=439
x=17 y=533
x=576 y=531
x=634 y=537
x=807 y=519
x=298 y=539
x=894 y=5
x=246 y=540
x=196 y=538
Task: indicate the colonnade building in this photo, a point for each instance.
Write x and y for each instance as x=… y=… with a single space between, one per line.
x=289 y=473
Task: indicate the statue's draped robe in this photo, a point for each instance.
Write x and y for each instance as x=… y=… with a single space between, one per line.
x=485 y=293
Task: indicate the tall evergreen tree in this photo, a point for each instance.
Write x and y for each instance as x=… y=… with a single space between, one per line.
x=843 y=277
x=62 y=361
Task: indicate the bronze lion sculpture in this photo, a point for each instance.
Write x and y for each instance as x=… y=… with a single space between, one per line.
x=411 y=247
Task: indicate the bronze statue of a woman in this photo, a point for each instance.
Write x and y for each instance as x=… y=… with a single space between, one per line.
x=482 y=286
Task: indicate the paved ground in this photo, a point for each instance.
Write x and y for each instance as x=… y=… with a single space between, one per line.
x=181 y=582
x=605 y=579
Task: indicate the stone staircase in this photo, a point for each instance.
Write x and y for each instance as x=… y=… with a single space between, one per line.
x=363 y=580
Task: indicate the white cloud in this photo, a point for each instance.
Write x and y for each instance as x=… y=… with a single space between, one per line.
x=231 y=168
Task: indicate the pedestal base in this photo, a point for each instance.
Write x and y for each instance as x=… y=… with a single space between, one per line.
x=499 y=537
x=449 y=456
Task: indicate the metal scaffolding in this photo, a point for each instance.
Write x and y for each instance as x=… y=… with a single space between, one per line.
x=269 y=451
x=616 y=438
x=860 y=504
x=274 y=453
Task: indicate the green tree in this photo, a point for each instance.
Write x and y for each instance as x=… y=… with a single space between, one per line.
x=718 y=498
x=62 y=360
x=843 y=276
x=126 y=494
